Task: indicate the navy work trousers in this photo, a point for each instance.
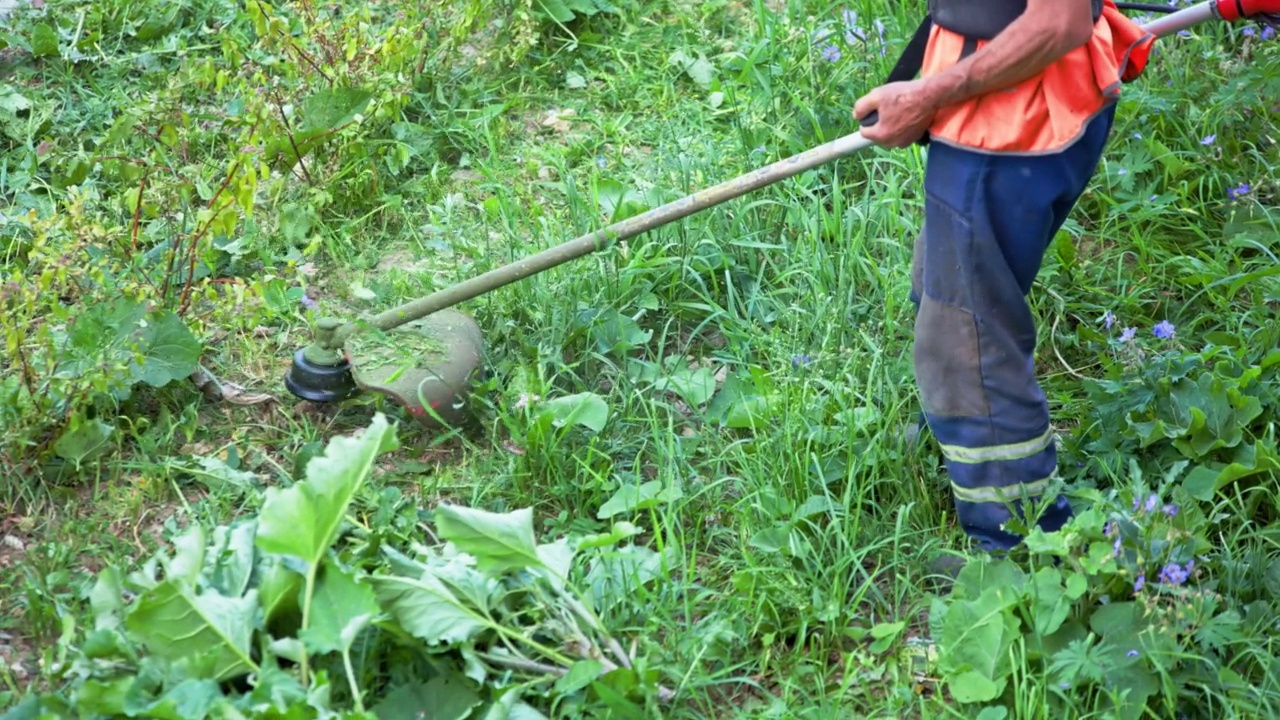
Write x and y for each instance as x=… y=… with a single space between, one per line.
x=989 y=219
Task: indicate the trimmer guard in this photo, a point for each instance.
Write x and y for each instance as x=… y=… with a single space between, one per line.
x=427 y=365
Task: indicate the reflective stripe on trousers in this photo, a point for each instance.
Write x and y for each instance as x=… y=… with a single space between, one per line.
x=988 y=222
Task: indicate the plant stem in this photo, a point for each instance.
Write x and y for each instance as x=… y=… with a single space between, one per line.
x=351 y=678
x=307 y=592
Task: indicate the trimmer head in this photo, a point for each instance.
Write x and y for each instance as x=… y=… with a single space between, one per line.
x=318 y=382
x=426 y=365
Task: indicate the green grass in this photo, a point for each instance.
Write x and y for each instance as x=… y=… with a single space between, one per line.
x=785 y=544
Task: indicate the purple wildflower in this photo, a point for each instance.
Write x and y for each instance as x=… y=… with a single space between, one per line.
x=799 y=360
x=1116 y=546
x=1152 y=502
x=1249 y=30
x=1137 y=136
x=1127 y=334
x=1131 y=653
x=308 y=303
x=1171 y=510
x=1235 y=192
x=1108 y=319
x=1163 y=329
x=1122 y=171
x=1208 y=140
x=1172 y=574
x=831 y=53
x=1140 y=582
x=1268 y=32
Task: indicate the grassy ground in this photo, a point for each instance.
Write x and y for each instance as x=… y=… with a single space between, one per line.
x=782 y=561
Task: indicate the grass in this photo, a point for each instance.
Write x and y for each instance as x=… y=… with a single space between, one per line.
x=789 y=542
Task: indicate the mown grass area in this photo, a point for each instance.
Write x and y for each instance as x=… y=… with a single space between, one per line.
x=687 y=492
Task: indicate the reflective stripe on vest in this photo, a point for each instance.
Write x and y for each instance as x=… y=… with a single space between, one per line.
x=1045 y=113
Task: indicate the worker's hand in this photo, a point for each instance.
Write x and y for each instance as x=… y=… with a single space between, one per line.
x=906 y=111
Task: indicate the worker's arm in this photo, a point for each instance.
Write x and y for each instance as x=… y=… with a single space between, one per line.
x=1046 y=31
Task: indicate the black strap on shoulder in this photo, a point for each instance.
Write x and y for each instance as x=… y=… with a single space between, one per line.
x=907 y=67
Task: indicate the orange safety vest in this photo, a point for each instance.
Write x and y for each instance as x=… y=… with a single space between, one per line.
x=1049 y=111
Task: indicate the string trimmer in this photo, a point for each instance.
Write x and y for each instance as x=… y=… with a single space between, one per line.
x=426 y=355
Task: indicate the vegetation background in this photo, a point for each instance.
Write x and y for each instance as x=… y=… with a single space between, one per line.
x=687 y=493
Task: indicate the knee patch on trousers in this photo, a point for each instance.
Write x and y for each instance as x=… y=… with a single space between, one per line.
x=947 y=361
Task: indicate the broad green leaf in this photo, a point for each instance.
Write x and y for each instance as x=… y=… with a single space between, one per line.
x=615 y=576
x=278 y=587
x=341 y=608
x=885 y=634
x=1136 y=684
x=586 y=409
x=156 y=25
x=44 y=41
x=557 y=561
x=620 y=531
x=773 y=539
x=1219 y=413
x=695 y=387
x=188 y=558
x=427 y=609
x=154 y=347
x=107 y=599
x=511 y=707
x=277 y=694
x=302 y=521
x=206 y=631
x=977 y=633
x=12 y=102
x=232 y=557
x=1048 y=543
x=169 y=350
x=699 y=69
x=103 y=697
x=978 y=577
x=619 y=202
x=632 y=498
x=973 y=687
x=1117 y=620
x=1247 y=459
x=1050 y=605
x=498 y=541
x=216 y=475
x=580 y=675
x=188 y=699
x=84 y=440
x=322 y=114
x=1200 y=483
x=612 y=332
x=443 y=698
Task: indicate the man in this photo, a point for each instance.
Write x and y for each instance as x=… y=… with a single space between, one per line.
x=1017 y=99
